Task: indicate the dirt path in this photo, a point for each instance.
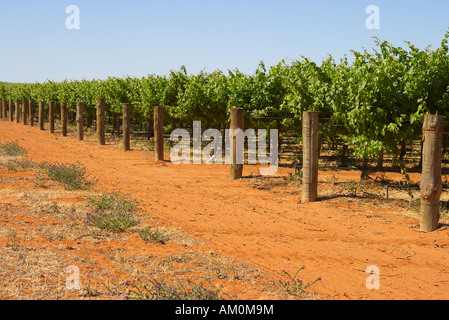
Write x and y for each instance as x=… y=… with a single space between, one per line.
x=333 y=239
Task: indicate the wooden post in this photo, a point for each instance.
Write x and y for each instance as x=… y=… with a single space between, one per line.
x=5 y=109
x=31 y=112
x=41 y=115
x=11 y=110
x=159 y=133
x=63 y=119
x=310 y=156
x=80 y=121
x=1 y=108
x=17 y=111
x=24 y=111
x=237 y=122
x=101 y=139
x=126 y=127
x=431 y=182
x=51 y=116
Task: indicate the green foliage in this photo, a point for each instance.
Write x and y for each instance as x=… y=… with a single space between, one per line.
x=378 y=100
x=12 y=149
x=112 y=201
x=111 y=212
x=114 y=220
x=24 y=164
x=72 y=175
x=155 y=236
x=296 y=286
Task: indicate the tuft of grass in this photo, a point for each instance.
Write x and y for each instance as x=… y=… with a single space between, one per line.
x=14 y=165
x=89 y=291
x=112 y=212
x=12 y=149
x=171 y=258
x=220 y=274
x=295 y=286
x=155 y=236
x=179 y=290
x=112 y=201
x=115 y=221
x=13 y=240
x=73 y=176
x=40 y=181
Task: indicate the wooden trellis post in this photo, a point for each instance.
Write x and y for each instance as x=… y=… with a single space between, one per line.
x=237 y=122
x=24 y=111
x=159 y=133
x=310 y=156
x=431 y=182
x=80 y=121
x=5 y=109
x=126 y=145
x=101 y=139
x=17 y=111
x=41 y=115
x=51 y=116
x=11 y=110
x=31 y=112
x=63 y=119
x=1 y=108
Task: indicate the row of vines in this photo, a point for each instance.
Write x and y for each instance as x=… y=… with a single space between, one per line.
x=378 y=100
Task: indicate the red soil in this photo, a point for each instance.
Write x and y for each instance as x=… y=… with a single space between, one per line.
x=334 y=239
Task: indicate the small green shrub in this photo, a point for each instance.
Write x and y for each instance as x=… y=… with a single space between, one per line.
x=112 y=212
x=155 y=236
x=295 y=286
x=73 y=176
x=14 y=165
x=90 y=291
x=12 y=149
x=114 y=221
x=112 y=201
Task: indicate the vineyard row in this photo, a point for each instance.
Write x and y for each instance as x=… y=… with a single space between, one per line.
x=375 y=104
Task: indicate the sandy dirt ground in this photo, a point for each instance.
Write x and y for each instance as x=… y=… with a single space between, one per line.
x=267 y=229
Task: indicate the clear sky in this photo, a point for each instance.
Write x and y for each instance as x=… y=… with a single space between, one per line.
x=141 y=37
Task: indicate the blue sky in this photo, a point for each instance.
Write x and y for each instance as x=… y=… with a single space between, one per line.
x=140 y=37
